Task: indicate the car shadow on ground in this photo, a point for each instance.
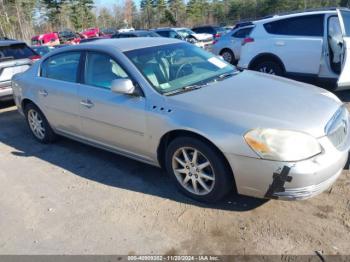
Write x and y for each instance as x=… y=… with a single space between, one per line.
x=104 y=167
x=5 y=104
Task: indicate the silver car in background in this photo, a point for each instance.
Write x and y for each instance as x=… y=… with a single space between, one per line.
x=171 y=104
x=15 y=57
x=229 y=45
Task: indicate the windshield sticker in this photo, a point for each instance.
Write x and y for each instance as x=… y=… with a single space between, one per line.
x=164 y=86
x=217 y=62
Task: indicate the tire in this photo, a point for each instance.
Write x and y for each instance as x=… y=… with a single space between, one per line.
x=38 y=124
x=269 y=67
x=228 y=56
x=217 y=177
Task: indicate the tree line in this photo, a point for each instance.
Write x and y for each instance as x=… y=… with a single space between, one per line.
x=21 y=19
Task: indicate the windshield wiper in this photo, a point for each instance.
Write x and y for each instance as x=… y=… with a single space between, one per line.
x=184 y=89
x=226 y=75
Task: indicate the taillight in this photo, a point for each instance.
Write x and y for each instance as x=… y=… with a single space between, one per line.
x=217 y=35
x=35 y=57
x=247 y=40
x=214 y=42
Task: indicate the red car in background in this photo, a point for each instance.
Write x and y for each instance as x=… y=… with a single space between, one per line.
x=49 y=39
x=91 y=32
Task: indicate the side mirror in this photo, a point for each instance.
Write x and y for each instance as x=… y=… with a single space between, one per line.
x=123 y=86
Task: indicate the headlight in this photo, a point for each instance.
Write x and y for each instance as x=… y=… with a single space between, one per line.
x=282 y=145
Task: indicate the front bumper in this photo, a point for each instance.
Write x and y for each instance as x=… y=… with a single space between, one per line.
x=290 y=180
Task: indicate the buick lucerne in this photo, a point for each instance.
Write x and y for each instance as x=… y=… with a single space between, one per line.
x=171 y=104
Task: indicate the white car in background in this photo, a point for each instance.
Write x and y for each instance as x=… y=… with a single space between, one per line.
x=186 y=32
x=311 y=46
x=229 y=45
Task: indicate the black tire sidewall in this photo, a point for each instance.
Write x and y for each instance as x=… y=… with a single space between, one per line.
x=270 y=65
x=49 y=134
x=224 y=182
x=231 y=53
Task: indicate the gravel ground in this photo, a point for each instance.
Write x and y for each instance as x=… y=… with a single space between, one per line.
x=69 y=198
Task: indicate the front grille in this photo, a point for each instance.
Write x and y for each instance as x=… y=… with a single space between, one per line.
x=338 y=127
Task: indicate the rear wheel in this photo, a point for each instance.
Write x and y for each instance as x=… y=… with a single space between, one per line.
x=269 y=67
x=198 y=169
x=228 y=56
x=38 y=124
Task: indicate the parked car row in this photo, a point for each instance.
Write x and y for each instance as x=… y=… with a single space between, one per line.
x=306 y=46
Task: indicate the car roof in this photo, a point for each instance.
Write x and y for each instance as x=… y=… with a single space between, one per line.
x=127 y=44
x=164 y=29
x=10 y=42
x=202 y=26
x=294 y=14
x=135 y=32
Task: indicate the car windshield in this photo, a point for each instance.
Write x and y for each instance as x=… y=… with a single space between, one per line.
x=176 y=67
x=185 y=32
x=41 y=50
x=148 y=34
x=220 y=30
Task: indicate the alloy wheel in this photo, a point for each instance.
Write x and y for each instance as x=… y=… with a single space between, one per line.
x=227 y=56
x=36 y=124
x=267 y=70
x=193 y=170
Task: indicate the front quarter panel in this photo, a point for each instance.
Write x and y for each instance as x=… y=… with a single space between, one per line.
x=165 y=116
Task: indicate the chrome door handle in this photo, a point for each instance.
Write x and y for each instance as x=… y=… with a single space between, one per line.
x=87 y=103
x=43 y=92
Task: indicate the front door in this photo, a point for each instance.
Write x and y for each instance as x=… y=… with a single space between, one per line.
x=115 y=121
x=344 y=79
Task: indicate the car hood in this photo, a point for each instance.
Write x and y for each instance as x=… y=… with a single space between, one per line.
x=255 y=100
x=203 y=37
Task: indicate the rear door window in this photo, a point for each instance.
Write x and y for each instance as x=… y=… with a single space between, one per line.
x=310 y=25
x=15 y=51
x=242 y=33
x=62 y=67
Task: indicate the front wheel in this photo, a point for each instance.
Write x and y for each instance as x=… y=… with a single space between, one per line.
x=269 y=67
x=38 y=124
x=198 y=169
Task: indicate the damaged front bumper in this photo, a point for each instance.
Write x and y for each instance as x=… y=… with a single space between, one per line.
x=305 y=192
x=289 y=180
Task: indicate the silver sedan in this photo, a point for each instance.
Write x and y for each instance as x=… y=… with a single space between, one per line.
x=170 y=104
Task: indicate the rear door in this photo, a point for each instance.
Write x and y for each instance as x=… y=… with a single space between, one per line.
x=298 y=42
x=57 y=88
x=344 y=79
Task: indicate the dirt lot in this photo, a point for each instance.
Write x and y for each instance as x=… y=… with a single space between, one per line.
x=69 y=198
